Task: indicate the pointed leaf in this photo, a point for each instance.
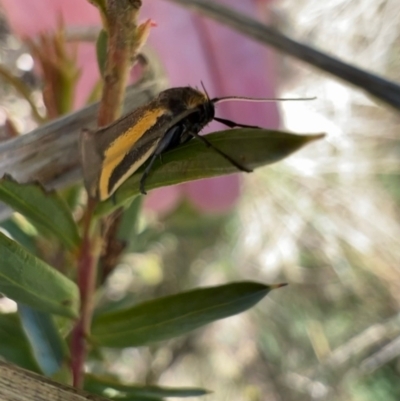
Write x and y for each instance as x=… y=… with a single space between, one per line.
x=252 y=148
x=27 y=279
x=172 y=316
x=14 y=346
x=47 y=345
x=44 y=209
x=100 y=385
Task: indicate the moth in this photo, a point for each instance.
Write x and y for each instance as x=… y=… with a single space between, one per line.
x=113 y=153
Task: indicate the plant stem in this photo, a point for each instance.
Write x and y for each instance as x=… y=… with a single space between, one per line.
x=121 y=21
x=123 y=42
x=87 y=262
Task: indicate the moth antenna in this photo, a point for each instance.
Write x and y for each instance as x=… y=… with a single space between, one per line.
x=259 y=100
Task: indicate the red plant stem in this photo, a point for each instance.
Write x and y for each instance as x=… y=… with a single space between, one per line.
x=87 y=272
x=121 y=16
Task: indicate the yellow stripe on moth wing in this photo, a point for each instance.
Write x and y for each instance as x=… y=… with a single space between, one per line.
x=118 y=148
x=124 y=142
x=103 y=191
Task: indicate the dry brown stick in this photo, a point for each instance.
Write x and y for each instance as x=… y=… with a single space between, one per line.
x=385 y=90
x=17 y=384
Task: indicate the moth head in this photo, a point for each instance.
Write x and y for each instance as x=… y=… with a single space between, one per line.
x=196 y=105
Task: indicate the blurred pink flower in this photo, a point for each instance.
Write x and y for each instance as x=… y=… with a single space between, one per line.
x=194 y=50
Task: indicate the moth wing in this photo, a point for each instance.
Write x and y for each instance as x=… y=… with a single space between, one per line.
x=94 y=143
x=140 y=143
x=102 y=151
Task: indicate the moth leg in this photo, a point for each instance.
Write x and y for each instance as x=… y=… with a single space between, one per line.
x=232 y=124
x=162 y=146
x=220 y=152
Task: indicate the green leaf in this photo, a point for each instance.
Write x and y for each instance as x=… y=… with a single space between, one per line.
x=27 y=279
x=102 y=386
x=47 y=345
x=101 y=50
x=44 y=209
x=172 y=316
x=14 y=229
x=14 y=346
x=253 y=148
